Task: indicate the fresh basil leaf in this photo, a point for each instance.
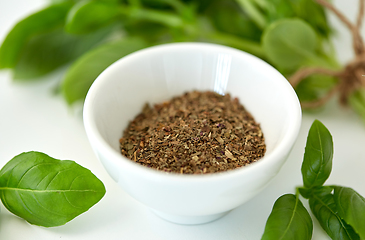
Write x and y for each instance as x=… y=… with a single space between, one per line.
x=166 y=18
x=105 y=1
x=277 y=9
x=305 y=192
x=351 y=207
x=46 y=191
x=227 y=17
x=83 y=72
x=317 y=162
x=109 y=1
x=76 y=1
x=252 y=8
x=149 y=31
x=314 y=14
x=46 y=52
x=202 y=5
x=314 y=87
x=157 y=4
x=310 y=11
x=88 y=16
x=324 y=209
x=273 y=10
x=288 y=220
x=41 y=22
x=306 y=92
x=290 y=43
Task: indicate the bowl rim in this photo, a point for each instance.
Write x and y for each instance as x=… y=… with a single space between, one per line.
x=94 y=136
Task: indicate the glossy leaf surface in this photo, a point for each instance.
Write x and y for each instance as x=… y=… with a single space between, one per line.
x=41 y=22
x=88 y=16
x=47 y=52
x=289 y=43
x=351 y=207
x=317 y=162
x=324 y=209
x=288 y=220
x=46 y=191
x=83 y=72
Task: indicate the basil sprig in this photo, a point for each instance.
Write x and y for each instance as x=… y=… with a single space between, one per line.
x=339 y=210
x=46 y=191
x=70 y=32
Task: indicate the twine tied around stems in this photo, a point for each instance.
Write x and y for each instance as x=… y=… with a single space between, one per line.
x=352 y=76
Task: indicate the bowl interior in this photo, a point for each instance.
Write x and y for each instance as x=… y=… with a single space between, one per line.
x=157 y=74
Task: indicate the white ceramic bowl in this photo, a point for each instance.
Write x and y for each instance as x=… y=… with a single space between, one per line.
x=158 y=73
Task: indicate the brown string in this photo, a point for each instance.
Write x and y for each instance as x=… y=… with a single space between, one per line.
x=351 y=77
x=320 y=102
x=298 y=76
x=342 y=17
x=360 y=48
x=358 y=43
x=360 y=15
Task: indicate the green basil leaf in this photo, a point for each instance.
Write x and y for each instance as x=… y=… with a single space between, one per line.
x=46 y=191
x=277 y=9
x=314 y=87
x=83 y=72
x=288 y=220
x=76 y=1
x=317 y=162
x=46 y=52
x=314 y=14
x=252 y=8
x=324 y=209
x=88 y=16
x=305 y=192
x=41 y=22
x=309 y=11
x=157 y=4
x=150 y=31
x=306 y=92
x=228 y=17
x=351 y=207
x=289 y=43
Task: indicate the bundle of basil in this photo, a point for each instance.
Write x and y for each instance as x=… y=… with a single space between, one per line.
x=339 y=210
x=91 y=34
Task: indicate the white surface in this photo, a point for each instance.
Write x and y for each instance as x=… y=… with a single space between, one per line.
x=159 y=73
x=32 y=118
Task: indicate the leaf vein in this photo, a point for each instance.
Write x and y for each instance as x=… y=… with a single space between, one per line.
x=291 y=218
x=324 y=205
x=321 y=156
x=41 y=205
x=70 y=201
x=47 y=191
x=26 y=172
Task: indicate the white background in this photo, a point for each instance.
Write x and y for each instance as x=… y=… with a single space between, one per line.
x=33 y=118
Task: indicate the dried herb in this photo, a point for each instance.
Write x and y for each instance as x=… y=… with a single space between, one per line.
x=198 y=132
